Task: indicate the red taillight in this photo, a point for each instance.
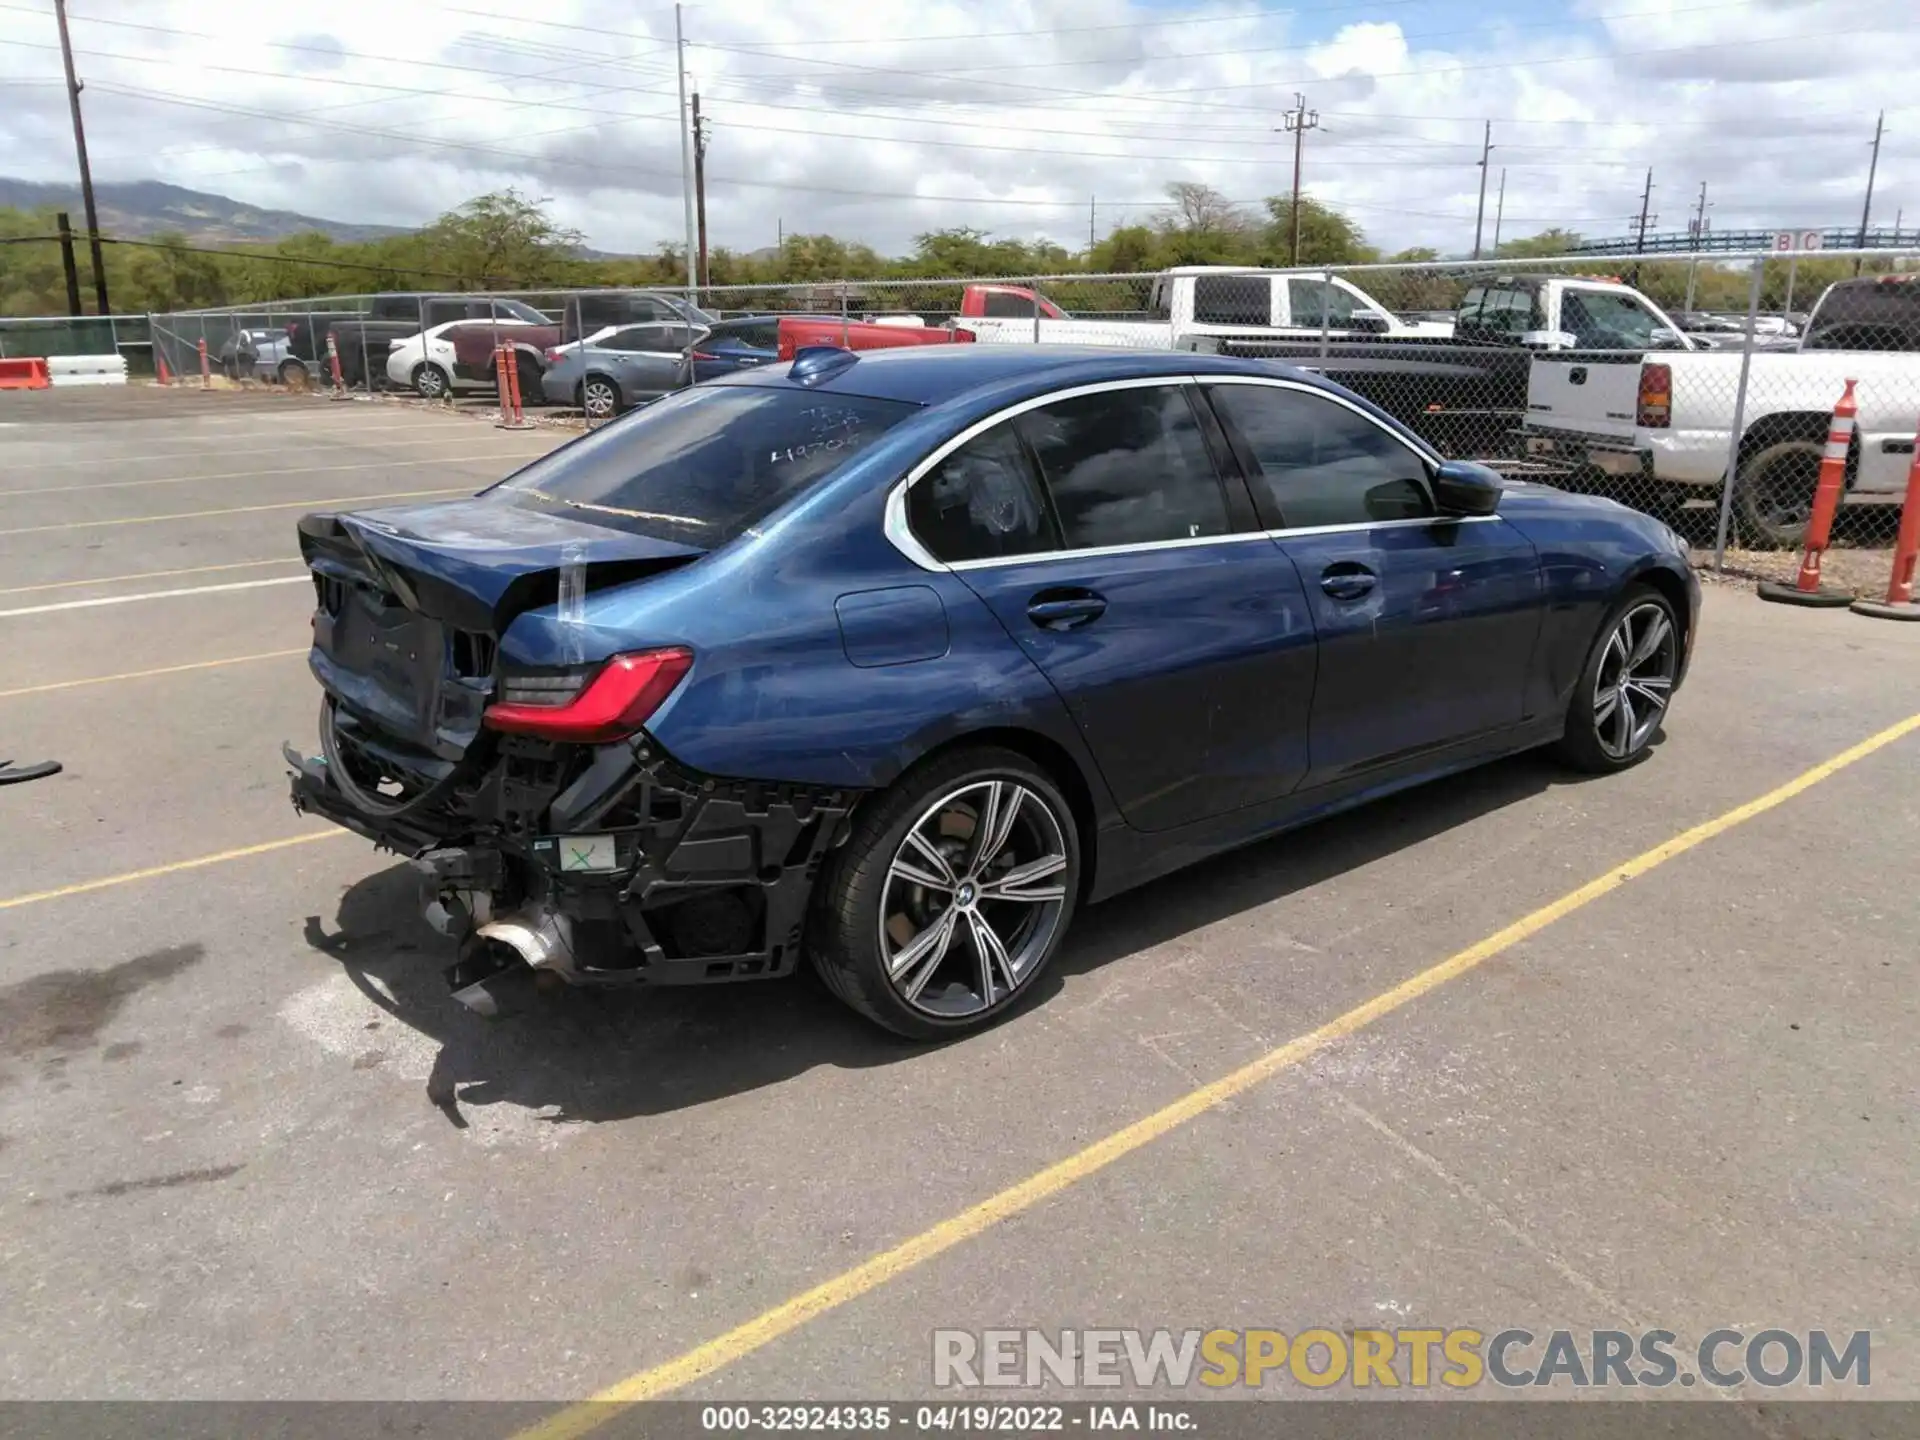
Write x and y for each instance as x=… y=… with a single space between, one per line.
x=964 y=337
x=700 y=355
x=292 y=325
x=553 y=356
x=1656 y=397
x=620 y=697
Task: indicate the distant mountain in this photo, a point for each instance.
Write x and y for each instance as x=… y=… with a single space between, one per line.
x=145 y=207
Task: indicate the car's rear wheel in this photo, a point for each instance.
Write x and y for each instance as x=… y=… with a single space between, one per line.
x=430 y=382
x=951 y=896
x=293 y=374
x=1773 y=500
x=599 y=397
x=1625 y=686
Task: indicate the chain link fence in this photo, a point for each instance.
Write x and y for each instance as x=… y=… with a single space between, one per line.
x=1696 y=388
x=51 y=336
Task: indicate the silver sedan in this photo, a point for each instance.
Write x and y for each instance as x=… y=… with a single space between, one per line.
x=618 y=367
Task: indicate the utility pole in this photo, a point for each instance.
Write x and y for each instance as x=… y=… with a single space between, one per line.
x=686 y=143
x=1091 y=201
x=1697 y=234
x=66 y=263
x=1640 y=240
x=1866 y=211
x=74 y=88
x=1486 y=154
x=1299 y=121
x=1499 y=211
x=700 y=186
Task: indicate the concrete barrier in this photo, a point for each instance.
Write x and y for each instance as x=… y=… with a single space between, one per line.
x=87 y=369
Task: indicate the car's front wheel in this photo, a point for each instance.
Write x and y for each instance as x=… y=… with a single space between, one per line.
x=951 y=896
x=1626 y=684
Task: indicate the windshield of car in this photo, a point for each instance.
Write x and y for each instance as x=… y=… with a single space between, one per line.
x=518 y=310
x=705 y=465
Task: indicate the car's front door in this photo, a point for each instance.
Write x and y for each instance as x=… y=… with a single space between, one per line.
x=1426 y=623
x=1098 y=528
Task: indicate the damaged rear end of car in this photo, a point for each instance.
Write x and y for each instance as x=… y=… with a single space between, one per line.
x=553 y=833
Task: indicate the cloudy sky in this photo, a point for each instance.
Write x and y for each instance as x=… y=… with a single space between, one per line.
x=876 y=121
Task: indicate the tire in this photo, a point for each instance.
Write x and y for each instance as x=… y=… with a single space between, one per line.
x=1773 y=498
x=430 y=382
x=293 y=374
x=599 y=397
x=881 y=896
x=1603 y=737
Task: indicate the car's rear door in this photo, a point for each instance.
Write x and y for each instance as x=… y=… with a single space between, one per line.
x=1098 y=527
x=1426 y=623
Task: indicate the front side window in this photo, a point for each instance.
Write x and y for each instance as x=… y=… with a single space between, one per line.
x=1602 y=320
x=982 y=502
x=1506 y=311
x=706 y=464
x=1315 y=303
x=1126 y=467
x=1319 y=463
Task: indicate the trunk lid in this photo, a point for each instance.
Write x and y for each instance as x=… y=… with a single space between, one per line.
x=412 y=601
x=1593 y=393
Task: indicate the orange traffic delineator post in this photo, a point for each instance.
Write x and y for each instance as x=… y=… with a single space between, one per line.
x=24 y=373
x=1899 y=604
x=206 y=370
x=1806 y=588
x=506 y=379
x=160 y=371
x=333 y=364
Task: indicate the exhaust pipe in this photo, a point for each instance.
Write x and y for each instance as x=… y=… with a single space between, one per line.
x=503 y=955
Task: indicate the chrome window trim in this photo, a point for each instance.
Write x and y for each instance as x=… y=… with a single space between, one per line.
x=900 y=535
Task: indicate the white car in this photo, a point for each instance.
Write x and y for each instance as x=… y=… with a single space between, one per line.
x=424 y=363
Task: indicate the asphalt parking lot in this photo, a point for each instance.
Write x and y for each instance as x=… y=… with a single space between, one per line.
x=251 y=1148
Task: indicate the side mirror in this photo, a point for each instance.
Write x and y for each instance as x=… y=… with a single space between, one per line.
x=1461 y=487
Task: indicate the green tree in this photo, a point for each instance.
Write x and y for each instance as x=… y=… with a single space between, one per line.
x=1548 y=242
x=502 y=239
x=1327 y=237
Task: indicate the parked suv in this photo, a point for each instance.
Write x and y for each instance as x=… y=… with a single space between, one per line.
x=597 y=310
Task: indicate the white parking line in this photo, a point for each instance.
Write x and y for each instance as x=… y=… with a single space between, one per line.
x=153 y=595
x=146 y=575
x=324 y=500
x=272 y=440
x=251 y=474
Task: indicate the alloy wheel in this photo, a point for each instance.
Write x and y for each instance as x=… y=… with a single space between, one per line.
x=1635 y=680
x=430 y=382
x=973 y=898
x=597 y=399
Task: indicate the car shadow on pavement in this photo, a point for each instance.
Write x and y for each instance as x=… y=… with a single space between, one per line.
x=604 y=1055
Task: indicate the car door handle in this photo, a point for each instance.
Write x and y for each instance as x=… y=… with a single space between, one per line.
x=1348 y=582
x=1065 y=610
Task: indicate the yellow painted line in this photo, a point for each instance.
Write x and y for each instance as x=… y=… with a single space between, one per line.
x=145 y=674
x=328 y=500
x=108 y=882
x=764 y=1329
x=149 y=575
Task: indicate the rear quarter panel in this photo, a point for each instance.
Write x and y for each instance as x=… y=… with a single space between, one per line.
x=776 y=621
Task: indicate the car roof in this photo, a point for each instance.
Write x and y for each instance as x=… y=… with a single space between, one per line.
x=935 y=374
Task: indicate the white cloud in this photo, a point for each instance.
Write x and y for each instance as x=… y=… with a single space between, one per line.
x=388 y=113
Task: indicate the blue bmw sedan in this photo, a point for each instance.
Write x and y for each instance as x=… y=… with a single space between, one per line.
x=895 y=660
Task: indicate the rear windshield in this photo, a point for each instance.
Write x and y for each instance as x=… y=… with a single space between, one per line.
x=702 y=466
x=1867 y=315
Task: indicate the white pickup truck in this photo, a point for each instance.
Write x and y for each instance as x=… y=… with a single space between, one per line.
x=1222 y=303
x=1656 y=428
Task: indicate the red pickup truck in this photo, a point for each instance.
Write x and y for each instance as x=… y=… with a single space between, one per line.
x=976 y=302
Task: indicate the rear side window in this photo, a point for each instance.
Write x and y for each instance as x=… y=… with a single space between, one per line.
x=1233 y=299
x=1002 y=306
x=1501 y=311
x=981 y=502
x=704 y=465
x=440 y=312
x=1867 y=315
x=1319 y=463
x=1126 y=467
